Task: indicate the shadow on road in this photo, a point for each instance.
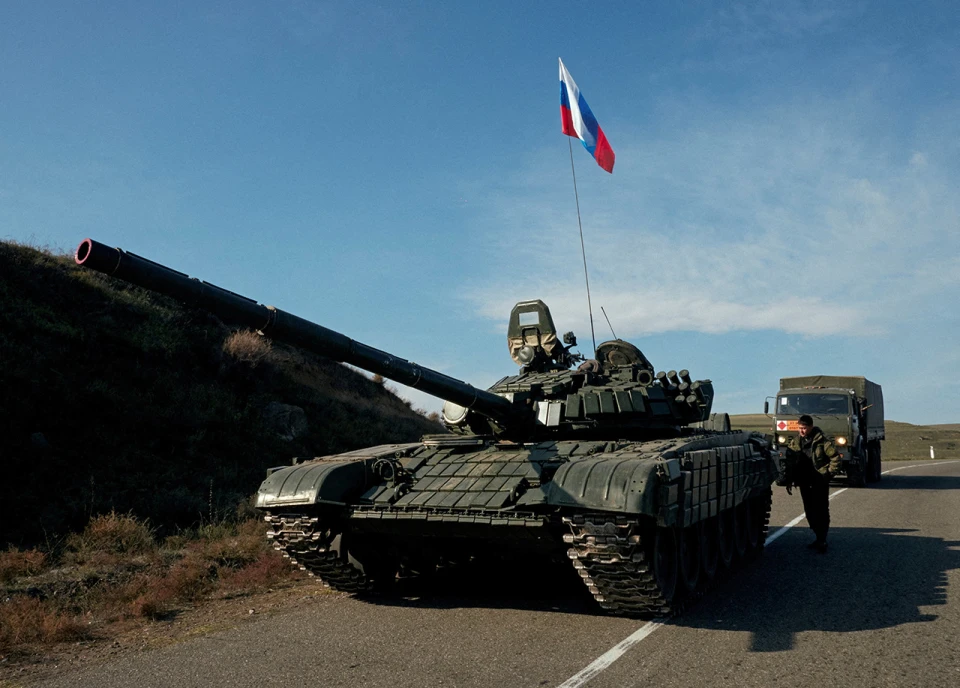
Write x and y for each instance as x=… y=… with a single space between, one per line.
x=534 y=584
x=871 y=578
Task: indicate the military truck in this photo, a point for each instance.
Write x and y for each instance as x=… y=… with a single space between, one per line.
x=848 y=409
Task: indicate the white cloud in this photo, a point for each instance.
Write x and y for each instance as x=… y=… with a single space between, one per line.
x=795 y=219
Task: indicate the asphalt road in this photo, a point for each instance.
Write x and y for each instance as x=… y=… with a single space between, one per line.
x=882 y=608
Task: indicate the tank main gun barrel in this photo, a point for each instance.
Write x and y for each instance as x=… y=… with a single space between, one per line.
x=288 y=328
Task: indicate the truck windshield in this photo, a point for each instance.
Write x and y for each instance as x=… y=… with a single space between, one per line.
x=824 y=404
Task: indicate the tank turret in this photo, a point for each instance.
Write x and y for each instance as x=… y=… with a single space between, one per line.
x=616 y=392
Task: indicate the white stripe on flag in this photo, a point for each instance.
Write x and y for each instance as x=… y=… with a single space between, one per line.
x=573 y=95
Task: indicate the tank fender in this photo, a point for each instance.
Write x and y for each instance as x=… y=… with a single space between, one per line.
x=631 y=485
x=337 y=479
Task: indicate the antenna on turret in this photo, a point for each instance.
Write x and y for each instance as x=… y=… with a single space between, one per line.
x=608 y=323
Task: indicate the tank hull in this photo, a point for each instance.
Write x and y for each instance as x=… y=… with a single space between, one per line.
x=626 y=514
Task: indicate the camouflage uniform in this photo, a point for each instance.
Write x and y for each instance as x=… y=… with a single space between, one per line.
x=817 y=461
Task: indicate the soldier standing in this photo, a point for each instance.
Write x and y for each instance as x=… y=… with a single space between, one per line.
x=817 y=462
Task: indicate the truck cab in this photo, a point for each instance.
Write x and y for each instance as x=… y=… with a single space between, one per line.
x=849 y=415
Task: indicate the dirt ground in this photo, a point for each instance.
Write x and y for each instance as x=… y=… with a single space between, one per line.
x=212 y=615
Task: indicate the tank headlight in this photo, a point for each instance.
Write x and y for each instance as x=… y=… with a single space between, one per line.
x=782 y=439
x=841 y=441
x=453 y=414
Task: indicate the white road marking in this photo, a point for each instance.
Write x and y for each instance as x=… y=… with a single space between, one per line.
x=771 y=538
x=618 y=650
x=900 y=468
x=611 y=655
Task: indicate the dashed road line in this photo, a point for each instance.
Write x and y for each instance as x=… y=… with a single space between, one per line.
x=784 y=529
x=611 y=655
x=618 y=650
x=900 y=468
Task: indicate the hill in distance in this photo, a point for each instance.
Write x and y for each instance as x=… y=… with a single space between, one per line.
x=904 y=441
x=115 y=398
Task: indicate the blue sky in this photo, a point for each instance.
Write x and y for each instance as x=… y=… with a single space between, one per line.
x=784 y=200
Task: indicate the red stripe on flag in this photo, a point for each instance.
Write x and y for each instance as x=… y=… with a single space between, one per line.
x=566 y=122
x=604 y=153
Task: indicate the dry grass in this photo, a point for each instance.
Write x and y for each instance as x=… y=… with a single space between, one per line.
x=247 y=346
x=16 y=564
x=261 y=573
x=117 y=570
x=111 y=535
x=906 y=441
x=27 y=620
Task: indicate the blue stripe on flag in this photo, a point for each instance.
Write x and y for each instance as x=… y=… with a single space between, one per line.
x=590 y=122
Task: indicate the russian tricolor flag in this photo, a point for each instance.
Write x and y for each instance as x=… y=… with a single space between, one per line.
x=577 y=120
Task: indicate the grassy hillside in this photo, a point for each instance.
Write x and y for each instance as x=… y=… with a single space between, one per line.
x=118 y=399
x=904 y=441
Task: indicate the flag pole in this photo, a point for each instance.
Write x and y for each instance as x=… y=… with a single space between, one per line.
x=583 y=250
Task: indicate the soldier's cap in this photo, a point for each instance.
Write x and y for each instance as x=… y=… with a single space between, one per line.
x=805 y=420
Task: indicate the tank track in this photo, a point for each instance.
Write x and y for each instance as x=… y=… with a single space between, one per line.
x=307 y=544
x=610 y=556
x=766 y=503
x=608 y=551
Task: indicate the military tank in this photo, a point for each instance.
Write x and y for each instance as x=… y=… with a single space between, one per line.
x=621 y=470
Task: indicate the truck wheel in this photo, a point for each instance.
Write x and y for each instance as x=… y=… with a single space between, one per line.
x=877 y=466
x=856 y=476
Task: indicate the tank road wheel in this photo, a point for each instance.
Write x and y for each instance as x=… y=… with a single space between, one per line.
x=751 y=506
x=665 y=562
x=726 y=538
x=689 y=539
x=382 y=573
x=740 y=528
x=379 y=565
x=709 y=548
